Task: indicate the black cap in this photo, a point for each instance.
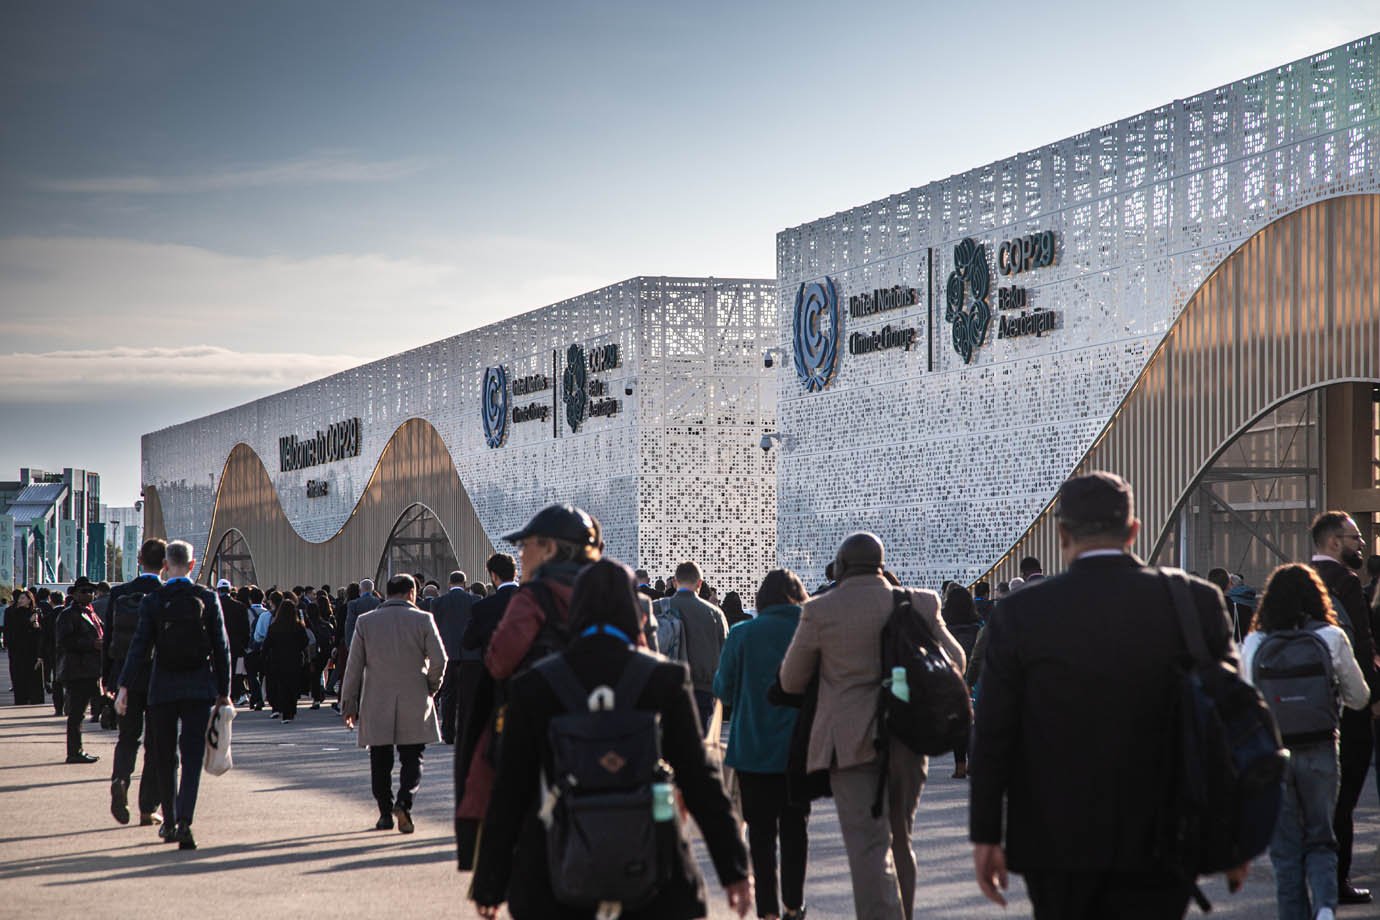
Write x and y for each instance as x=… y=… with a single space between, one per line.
x=560 y=522
x=1098 y=502
x=82 y=584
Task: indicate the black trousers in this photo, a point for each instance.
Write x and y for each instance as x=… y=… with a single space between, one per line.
x=381 y=774
x=127 y=752
x=1098 y=895
x=1357 y=742
x=58 y=695
x=80 y=693
x=771 y=816
x=446 y=700
x=179 y=727
x=27 y=679
x=284 y=689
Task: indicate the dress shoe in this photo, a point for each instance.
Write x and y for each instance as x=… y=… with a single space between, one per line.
x=404 y=817
x=960 y=771
x=384 y=823
x=167 y=833
x=119 y=800
x=149 y=818
x=183 y=835
x=315 y=705
x=1350 y=894
x=82 y=757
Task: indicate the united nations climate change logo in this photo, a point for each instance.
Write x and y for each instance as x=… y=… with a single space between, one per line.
x=575 y=385
x=969 y=284
x=818 y=331
x=494 y=399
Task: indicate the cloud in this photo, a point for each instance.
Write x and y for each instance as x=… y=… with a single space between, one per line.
x=120 y=372
x=302 y=171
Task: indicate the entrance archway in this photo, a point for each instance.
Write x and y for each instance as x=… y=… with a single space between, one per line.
x=417 y=545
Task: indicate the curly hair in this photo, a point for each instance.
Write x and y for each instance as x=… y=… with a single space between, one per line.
x=1294 y=595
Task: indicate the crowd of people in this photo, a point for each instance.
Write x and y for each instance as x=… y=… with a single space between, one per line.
x=585 y=703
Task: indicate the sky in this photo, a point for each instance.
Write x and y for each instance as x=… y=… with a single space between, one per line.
x=203 y=203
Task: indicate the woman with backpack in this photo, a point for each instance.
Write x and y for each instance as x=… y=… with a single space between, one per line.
x=557 y=699
x=285 y=650
x=759 y=743
x=1295 y=644
x=319 y=622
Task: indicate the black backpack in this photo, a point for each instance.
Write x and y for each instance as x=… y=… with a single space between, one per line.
x=602 y=843
x=181 y=642
x=1227 y=765
x=124 y=619
x=939 y=713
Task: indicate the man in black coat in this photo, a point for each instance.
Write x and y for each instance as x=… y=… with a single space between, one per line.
x=474 y=696
x=1072 y=723
x=125 y=601
x=238 y=630
x=451 y=611
x=1337 y=544
x=77 y=641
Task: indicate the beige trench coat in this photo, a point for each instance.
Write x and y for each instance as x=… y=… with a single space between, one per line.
x=394 y=667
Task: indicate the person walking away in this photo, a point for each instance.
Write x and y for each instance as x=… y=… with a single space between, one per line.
x=182 y=626
x=759 y=742
x=556 y=543
x=24 y=642
x=1031 y=570
x=961 y=617
x=1337 y=556
x=1301 y=661
x=126 y=602
x=49 y=604
x=238 y=629
x=1098 y=647
x=349 y=593
x=603 y=659
x=395 y=668
x=321 y=634
x=368 y=600
x=452 y=612
x=78 y=638
x=261 y=617
x=733 y=609
x=839 y=638
x=285 y=651
x=475 y=693
x=704 y=630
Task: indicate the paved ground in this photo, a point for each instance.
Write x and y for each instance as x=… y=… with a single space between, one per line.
x=279 y=831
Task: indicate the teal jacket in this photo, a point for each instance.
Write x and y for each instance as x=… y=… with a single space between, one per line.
x=759 y=736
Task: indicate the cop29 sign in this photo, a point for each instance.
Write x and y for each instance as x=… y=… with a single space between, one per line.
x=818 y=329
x=494 y=401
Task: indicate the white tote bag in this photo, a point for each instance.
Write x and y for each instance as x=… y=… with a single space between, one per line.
x=218 y=759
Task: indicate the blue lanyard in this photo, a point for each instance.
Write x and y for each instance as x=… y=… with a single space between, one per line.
x=607 y=630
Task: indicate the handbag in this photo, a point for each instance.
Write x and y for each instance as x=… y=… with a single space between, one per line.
x=110 y=719
x=218 y=760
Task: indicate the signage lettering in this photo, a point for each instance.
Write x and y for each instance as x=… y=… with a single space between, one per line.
x=604 y=407
x=338 y=442
x=1026 y=253
x=533 y=412
x=603 y=358
x=532 y=383
x=882 y=300
x=1036 y=323
x=863 y=343
x=316 y=488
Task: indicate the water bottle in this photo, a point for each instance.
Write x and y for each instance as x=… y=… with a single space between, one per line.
x=899 y=688
x=663 y=802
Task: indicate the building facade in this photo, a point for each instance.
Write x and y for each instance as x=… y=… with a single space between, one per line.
x=1188 y=297
x=642 y=402
x=51 y=521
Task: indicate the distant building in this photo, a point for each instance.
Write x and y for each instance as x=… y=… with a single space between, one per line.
x=125 y=529
x=53 y=524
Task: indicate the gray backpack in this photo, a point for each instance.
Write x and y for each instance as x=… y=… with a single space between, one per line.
x=1293 y=670
x=670 y=631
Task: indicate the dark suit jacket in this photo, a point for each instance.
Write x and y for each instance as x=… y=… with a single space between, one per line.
x=452 y=612
x=237 y=625
x=1073 y=720
x=512 y=860
x=1345 y=583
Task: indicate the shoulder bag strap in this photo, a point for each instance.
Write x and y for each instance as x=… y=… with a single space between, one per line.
x=636 y=673
x=561 y=678
x=1190 y=625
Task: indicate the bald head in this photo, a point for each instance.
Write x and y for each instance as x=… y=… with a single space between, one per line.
x=859 y=554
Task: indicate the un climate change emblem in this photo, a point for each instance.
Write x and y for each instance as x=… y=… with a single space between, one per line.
x=494 y=400
x=969 y=284
x=575 y=385
x=818 y=331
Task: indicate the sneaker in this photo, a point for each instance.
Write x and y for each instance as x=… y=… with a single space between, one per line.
x=183 y=835
x=82 y=757
x=315 y=705
x=119 y=800
x=149 y=818
x=288 y=719
x=404 y=817
x=242 y=702
x=275 y=715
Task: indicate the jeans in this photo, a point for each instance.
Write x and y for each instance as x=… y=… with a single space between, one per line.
x=179 y=798
x=80 y=693
x=1304 y=848
x=381 y=774
x=127 y=752
x=770 y=814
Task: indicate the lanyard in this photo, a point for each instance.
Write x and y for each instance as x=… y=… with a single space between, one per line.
x=607 y=630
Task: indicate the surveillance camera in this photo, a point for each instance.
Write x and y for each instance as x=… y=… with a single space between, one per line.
x=627 y=390
x=765 y=443
x=768 y=361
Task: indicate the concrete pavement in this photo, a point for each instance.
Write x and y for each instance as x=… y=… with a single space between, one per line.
x=289 y=830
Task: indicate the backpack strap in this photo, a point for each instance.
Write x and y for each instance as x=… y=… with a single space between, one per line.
x=636 y=673
x=1189 y=624
x=561 y=678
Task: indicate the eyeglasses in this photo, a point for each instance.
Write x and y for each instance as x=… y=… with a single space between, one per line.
x=1355 y=536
